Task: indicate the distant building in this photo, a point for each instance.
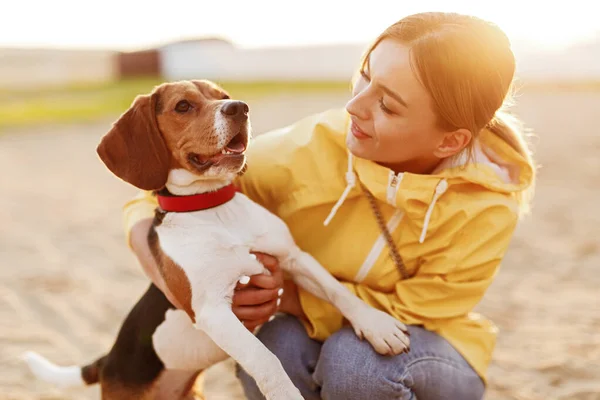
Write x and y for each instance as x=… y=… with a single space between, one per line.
x=197 y=58
x=169 y=59
x=135 y=64
x=221 y=60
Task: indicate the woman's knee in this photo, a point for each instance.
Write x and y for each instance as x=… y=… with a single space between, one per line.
x=434 y=369
x=349 y=368
x=434 y=378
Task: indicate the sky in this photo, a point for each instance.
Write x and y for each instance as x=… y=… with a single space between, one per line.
x=135 y=24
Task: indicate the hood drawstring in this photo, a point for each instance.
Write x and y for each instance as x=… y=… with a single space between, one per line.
x=350 y=183
x=441 y=187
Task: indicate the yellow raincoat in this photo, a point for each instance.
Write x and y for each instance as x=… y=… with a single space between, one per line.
x=452 y=227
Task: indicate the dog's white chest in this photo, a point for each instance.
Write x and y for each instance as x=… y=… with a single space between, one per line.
x=215 y=244
x=238 y=222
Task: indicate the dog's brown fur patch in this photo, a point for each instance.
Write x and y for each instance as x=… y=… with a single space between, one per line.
x=115 y=391
x=134 y=149
x=176 y=384
x=174 y=277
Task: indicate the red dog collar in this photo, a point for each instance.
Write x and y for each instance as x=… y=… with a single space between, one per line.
x=196 y=202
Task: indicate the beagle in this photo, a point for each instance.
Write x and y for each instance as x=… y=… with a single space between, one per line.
x=186 y=141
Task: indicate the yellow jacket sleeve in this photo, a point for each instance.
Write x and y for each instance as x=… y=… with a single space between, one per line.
x=447 y=285
x=268 y=175
x=138 y=208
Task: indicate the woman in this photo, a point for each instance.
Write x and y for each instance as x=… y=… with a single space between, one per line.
x=420 y=183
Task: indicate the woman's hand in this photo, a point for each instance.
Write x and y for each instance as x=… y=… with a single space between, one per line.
x=258 y=300
x=290 y=301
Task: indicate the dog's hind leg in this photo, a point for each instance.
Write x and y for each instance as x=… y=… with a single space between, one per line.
x=177 y=384
x=169 y=385
x=181 y=346
x=132 y=367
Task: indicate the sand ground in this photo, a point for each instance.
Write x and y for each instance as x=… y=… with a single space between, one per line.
x=67 y=278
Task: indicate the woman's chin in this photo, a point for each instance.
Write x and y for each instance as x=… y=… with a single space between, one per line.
x=358 y=148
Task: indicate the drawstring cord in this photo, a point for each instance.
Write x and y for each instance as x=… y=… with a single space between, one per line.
x=441 y=187
x=350 y=184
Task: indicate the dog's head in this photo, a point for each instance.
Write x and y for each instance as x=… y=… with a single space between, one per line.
x=189 y=126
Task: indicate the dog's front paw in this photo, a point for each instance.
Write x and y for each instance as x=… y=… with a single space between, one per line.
x=387 y=335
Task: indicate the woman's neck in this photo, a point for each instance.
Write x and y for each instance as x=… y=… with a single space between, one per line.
x=420 y=167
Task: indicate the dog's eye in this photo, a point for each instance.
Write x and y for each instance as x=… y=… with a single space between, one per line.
x=225 y=97
x=183 y=106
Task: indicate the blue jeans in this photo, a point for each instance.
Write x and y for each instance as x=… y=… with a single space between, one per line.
x=346 y=368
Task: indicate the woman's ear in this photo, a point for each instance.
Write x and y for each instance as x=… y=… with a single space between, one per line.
x=453 y=143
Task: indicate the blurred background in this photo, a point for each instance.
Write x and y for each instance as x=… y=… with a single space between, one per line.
x=68 y=69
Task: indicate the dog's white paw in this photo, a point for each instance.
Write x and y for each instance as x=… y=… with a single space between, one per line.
x=387 y=335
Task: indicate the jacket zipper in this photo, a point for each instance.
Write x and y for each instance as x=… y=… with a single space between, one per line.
x=392 y=225
x=392 y=189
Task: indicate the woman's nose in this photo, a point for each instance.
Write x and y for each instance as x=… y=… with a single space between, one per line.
x=357 y=106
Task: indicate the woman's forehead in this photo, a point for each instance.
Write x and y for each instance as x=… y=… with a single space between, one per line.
x=390 y=51
x=390 y=65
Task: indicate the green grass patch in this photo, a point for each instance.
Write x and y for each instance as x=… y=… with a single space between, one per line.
x=87 y=102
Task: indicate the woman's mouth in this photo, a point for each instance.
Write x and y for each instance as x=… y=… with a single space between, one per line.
x=357 y=132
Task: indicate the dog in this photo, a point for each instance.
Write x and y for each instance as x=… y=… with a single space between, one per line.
x=186 y=142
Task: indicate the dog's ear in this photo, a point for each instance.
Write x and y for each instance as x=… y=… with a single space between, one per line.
x=134 y=149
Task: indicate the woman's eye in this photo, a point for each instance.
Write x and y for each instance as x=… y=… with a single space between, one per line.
x=384 y=107
x=183 y=106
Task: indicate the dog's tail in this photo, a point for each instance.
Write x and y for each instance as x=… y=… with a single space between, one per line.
x=64 y=376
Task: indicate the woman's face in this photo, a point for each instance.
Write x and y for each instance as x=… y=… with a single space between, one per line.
x=393 y=120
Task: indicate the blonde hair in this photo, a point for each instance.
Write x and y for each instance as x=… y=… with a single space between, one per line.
x=467 y=66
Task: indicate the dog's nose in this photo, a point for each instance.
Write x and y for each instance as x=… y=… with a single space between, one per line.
x=237 y=110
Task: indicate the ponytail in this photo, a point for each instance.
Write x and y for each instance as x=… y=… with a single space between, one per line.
x=510 y=130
